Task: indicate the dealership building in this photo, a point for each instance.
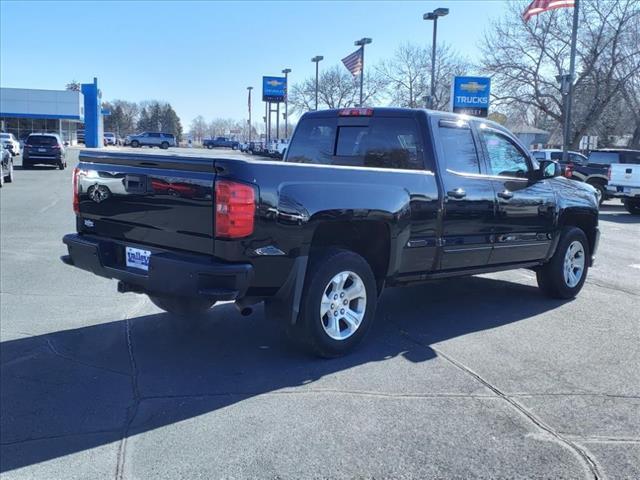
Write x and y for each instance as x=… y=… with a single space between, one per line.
x=65 y=112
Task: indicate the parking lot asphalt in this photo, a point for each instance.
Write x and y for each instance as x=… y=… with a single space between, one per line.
x=479 y=377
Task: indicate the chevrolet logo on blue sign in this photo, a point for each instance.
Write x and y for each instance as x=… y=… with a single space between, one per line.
x=274 y=89
x=470 y=95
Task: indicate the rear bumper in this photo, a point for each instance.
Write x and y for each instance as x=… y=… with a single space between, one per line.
x=170 y=273
x=623 y=192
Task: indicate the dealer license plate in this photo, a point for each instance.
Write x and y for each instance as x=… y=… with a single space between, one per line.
x=138 y=258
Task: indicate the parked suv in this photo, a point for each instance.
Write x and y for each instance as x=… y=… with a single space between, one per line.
x=110 y=138
x=43 y=148
x=151 y=139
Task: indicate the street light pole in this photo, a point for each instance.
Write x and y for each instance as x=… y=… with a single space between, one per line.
x=286 y=72
x=361 y=43
x=249 y=104
x=317 y=59
x=438 y=12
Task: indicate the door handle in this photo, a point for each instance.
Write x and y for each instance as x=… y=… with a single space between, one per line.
x=507 y=195
x=457 y=193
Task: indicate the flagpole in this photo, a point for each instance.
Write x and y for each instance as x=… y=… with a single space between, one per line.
x=362 y=74
x=361 y=43
x=566 y=134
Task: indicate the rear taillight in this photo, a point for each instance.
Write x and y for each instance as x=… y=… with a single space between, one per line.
x=356 y=112
x=235 y=209
x=76 y=194
x=55 y=147
x=609 y=173
x=568 y=170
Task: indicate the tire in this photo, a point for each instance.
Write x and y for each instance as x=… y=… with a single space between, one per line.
x=552 y=278
x=164 y=145
x=209 y=147
x=600 y=187
x=135 y=144
x=62 y=165
x=1 y=175
x=632 y=206
x=182 y=306
x=26 y=165
x=331 y=335
x=9 y=175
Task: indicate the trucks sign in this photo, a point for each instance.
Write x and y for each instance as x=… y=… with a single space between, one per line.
x=274 y=89
x=470 y=95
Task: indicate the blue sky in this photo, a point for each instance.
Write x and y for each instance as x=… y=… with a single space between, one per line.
x=200 y=56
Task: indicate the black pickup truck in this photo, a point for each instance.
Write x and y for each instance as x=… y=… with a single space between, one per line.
x=365 y=198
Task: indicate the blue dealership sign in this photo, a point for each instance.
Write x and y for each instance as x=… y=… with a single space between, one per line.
x=470 y=95
x=274 y=89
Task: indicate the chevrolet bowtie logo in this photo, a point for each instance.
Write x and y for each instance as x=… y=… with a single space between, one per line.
x=473 y=87
x=274 y=83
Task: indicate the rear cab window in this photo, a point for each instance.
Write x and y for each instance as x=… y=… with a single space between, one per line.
x=604 y=158
x=376 y=142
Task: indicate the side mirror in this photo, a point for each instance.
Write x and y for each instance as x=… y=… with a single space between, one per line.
x=549 y=169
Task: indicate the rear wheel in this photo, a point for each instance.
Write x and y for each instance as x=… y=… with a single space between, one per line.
x=339 y=303
x=164 y=145
x=62 y=165
x=209 y=147
x=564 y=275
x=181 y=306
x=632 y=205
x=135 y=143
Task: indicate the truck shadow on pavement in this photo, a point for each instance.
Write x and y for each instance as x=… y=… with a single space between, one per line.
x=74 y=390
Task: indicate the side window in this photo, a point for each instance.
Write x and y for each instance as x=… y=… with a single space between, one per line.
x=460 y=153
x=557 y=156
x=393 y=143
x=313 y=141
x=154 y=135
x=505 y=159
x=576 y=159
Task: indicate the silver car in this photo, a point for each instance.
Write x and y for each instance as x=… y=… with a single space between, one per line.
x=151 y=139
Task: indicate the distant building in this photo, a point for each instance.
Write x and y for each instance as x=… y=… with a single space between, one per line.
x=24 y=111
x=530 y=135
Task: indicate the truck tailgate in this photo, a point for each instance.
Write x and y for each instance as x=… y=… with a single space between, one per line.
x=157 y=200
x=625 y=175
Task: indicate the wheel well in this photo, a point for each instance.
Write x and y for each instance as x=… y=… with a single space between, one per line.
x=599 y=180
x=367 y=238
x=586 y=222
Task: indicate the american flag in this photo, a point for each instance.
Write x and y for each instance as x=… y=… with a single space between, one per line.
x=353 y=62
x=539 y=6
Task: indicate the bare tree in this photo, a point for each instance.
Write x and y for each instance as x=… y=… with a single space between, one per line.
x=73 y=85
x=337 y=88
x=407 y=75
x=198 y=128
x=524 y=58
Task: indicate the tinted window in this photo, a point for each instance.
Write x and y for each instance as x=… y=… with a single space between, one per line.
x=505 y=159
x=313 y=141
x=167 y=135
x=556 y=156
x=631 y=157
x=577 y=159
x=378 y=142
x=460 y=153
x=604 y=158
x=42 y=140
x=154 y=135
x=539 y=155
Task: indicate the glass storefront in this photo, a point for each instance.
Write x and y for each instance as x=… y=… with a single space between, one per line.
x=22 y=127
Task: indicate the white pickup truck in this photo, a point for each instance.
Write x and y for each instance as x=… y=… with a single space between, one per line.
x=624 y=183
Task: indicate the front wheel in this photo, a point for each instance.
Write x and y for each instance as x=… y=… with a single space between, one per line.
x=600 y=187
x=135 y=144
x=339 y=304
x=564 y=275
x=181 y=306
x=164 y=145
x=632 y=205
